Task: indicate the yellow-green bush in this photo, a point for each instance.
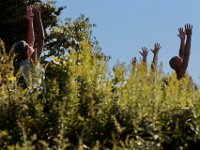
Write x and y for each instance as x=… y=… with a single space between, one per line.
x=87 y=106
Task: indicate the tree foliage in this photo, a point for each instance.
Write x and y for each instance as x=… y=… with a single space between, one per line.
x=13 y=24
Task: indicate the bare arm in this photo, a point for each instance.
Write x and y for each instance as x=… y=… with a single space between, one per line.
x=40 y=32
x=188 y=32
x=30 y=36
x=181 y=35
x=144 y=54
x=155 y=51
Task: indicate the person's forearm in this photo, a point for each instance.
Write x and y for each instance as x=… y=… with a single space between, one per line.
x=144 y=64
x=30 y=36
x=188 y=46
x=40 y=34
x=154 y=62
x=186 y=55
x=39 y=26
x=181 y=50
x=144 y=59
x=186 y=58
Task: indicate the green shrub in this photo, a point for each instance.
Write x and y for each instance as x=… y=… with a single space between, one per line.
x=87 y=106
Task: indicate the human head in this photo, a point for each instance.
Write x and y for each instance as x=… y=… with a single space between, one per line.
x=175 y=62
x=23 y=49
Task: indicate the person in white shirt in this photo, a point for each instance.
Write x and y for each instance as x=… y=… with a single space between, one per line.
x=27 y=57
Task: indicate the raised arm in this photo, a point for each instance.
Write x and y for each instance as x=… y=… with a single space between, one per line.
x=188 y=32
x=144 y=54
x=155 y=51
x=40 y=31
x=181 y=35
x=30 y=36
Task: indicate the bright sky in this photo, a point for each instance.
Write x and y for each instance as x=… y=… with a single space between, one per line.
x=124 y=26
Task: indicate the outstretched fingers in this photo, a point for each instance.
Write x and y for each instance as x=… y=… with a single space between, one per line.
x=157 y=47
x=144 y=51
x=181 y=33
x=188 y=26
x=188 y=29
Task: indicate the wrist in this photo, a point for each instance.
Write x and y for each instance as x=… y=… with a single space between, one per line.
x=182 y=38
x=144 y=59
x=30 y=19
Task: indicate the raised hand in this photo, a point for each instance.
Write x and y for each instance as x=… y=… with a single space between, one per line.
x=188 y=29
x=144 y=52
x=37 y=12
x=156 y=49
x=181 y=33
x=36 y=8
x=29 y=13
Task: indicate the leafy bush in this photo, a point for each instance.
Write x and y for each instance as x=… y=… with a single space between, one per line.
x=86 y=106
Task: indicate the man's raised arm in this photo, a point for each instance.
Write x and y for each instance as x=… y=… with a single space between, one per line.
x=181 y=35
x=144 y=54
x=155 y=51
x=188 y=32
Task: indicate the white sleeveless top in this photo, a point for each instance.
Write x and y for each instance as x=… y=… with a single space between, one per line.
x=34 y=75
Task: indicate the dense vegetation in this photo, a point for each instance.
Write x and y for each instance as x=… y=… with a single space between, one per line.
x=88 y=106
x=84 y=107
